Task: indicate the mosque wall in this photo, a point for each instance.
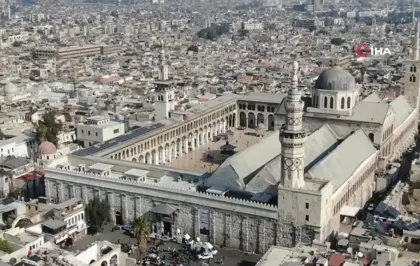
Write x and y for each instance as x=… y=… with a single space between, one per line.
x=234 y=223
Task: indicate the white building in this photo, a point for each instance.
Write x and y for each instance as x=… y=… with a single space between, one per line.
x=99 y=129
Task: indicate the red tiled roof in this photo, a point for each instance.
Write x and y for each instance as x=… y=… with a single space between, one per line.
x=336 y=260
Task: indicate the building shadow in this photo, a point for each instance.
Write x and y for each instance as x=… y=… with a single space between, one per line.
x=211 y=156
x=246 y=263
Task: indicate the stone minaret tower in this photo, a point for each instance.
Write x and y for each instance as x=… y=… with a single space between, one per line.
x=412 y=73
x=292 y=137
x=163 y=67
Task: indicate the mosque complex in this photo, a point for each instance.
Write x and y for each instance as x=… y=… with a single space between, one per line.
x=318 y=154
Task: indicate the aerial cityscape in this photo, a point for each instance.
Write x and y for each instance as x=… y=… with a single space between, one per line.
x=209 y=132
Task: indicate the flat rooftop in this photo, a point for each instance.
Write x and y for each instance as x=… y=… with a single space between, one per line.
x=136 y=133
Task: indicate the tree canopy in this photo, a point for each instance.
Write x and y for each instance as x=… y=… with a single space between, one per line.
x=214 y=31
x=97 y=213
x=337 y=41
x=5 y=246
x=48 y=128
x=141 y=232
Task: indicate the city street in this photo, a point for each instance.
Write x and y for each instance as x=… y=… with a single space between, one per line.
x=231 y=257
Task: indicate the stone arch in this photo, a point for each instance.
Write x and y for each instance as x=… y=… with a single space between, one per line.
x=91 y=262
x=242 y=119
x=134 y=160
x=114 y=260
x=251 y=120
x=271 y=122
x=104 y=263
x=325 y=102
x=342 y=104
x=260 y=119
x=148 y=158
x=413 y=68
x=331 y=102
x=372 y=137
x=141 y=159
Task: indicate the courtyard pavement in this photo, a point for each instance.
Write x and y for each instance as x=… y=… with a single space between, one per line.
x=231 y=257
x=197 y=160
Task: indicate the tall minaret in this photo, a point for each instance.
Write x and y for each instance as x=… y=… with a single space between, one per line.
x=292 y=137
x=163 y=67
x=412 y=73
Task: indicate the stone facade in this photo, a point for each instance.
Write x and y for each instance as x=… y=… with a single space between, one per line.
x=234 y=223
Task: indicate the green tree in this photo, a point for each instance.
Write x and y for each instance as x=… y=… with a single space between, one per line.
x=5 y=246
x=141 y=232
x=48 y=128
x=97 y=214
x=337 y=41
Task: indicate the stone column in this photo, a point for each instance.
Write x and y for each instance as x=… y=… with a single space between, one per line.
x=266 y=122
x=204 y=137
x=47 y=189
x=246 y=119
x=245 y=232
x=61 y=192
x=156 y=155
x=196 y=223
x=224 y=126
x=85 y=195
x=261 y=237
x=213 y=227
x=72 y=191
x=138 y=207
x=193 y=142
x=186 y=145
x=111 y=207
x=163 y=156
x=143 y=160
x=124 y=209
x=228 y=229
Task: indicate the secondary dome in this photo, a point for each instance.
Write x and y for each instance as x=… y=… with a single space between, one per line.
x=335 y=79
x=47 y=148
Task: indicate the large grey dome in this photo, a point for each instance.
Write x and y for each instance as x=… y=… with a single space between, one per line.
x=336 y=79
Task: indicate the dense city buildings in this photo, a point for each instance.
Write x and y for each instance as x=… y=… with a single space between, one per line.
x=219 y=128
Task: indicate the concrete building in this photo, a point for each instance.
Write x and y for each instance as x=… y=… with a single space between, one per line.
x=99 y=129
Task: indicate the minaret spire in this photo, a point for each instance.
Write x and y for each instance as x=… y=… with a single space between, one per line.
x=163 y=75
x=293 y=137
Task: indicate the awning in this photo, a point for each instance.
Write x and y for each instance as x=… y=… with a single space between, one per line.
x=163 y=209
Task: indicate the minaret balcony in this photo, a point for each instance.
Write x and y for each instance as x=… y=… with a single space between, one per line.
x=297 y=143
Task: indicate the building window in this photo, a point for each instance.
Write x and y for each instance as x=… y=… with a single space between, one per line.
x=342 y=102
x=307 y=218
x=372 y=137
x=83 y=131
x=116 y=131
x=307 y=205
x=412 y=78
x=88 y=133
x=413 y=68
x=348 y=102
x=332 y=102
x=325 y=102
x=96 y=133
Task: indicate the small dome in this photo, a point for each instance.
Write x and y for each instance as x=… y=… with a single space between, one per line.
x=47 y=148
x=335 y=79
x=10 y=89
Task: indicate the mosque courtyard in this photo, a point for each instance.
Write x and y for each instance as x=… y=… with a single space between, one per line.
x=208 y=157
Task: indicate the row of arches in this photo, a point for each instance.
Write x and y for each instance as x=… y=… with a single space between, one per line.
x=112 y=262
x=250 y=120
x=182 y=145
x=329 y=103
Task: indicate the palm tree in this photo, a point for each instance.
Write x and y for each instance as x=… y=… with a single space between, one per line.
x=141 y=232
